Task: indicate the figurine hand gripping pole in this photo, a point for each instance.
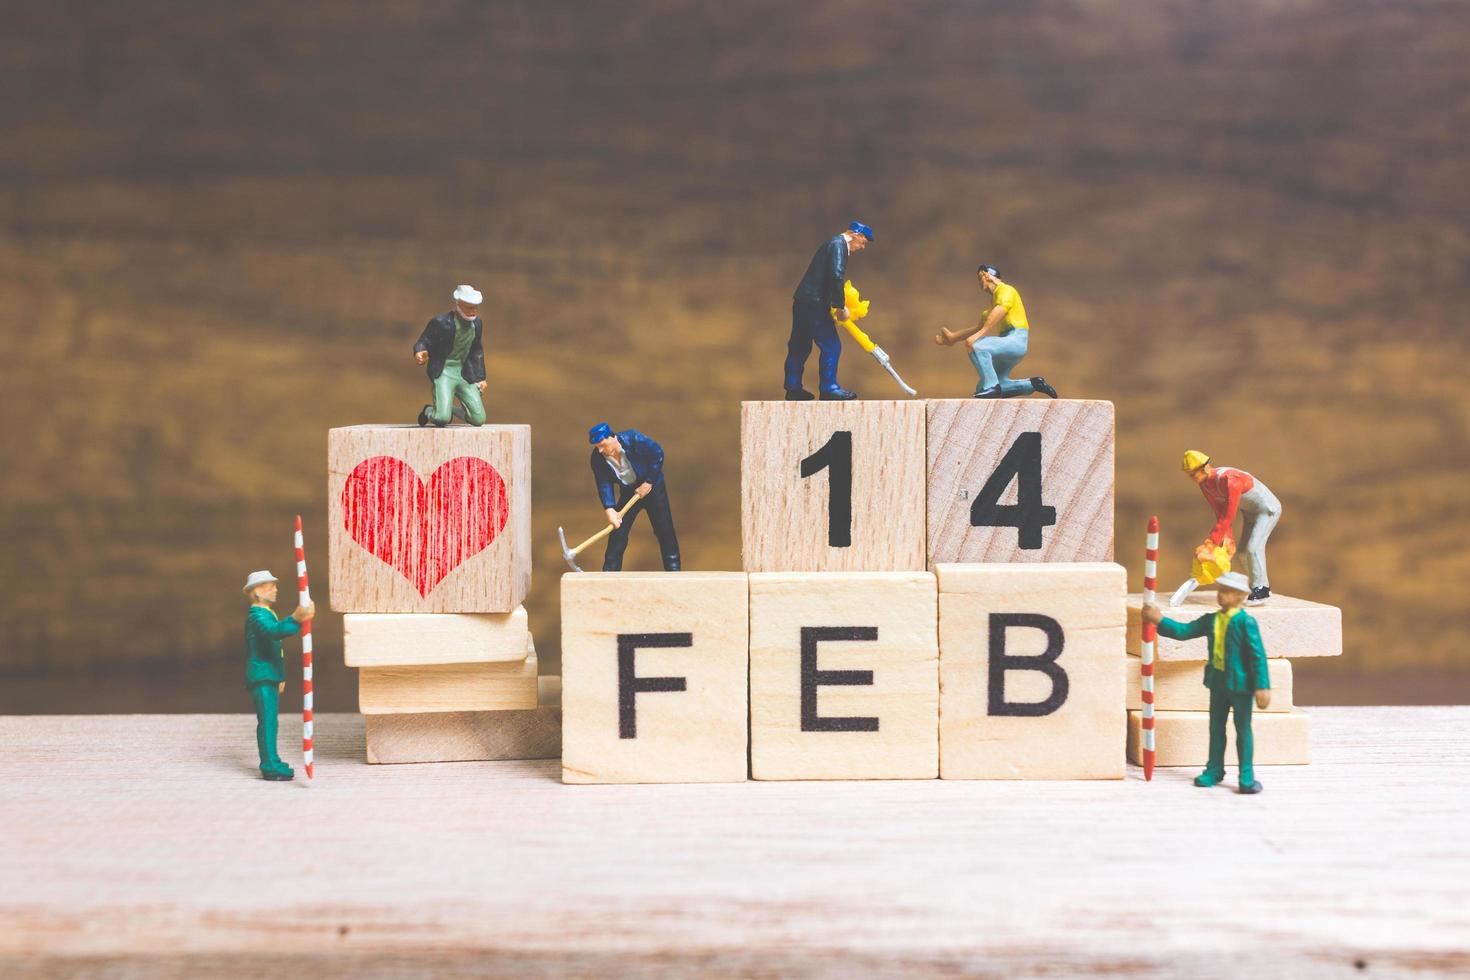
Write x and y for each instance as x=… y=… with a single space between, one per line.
x=570 y=554
x=1150 y=634
x=857 y=308
x=306 y=693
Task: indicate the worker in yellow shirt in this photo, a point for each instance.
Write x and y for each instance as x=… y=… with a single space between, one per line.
x=1000 y=341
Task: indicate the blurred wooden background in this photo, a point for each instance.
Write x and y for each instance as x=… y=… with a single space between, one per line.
x=222 y=227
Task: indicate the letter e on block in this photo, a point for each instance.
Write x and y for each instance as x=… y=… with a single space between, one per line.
x=1031 y=671
x=654 y=668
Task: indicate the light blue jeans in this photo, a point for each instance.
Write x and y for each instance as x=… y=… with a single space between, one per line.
x=996 y=357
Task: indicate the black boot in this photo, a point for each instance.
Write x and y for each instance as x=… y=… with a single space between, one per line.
x=1258 y=595
x=424 y=414
x=992 y=392
x=838 y=395
x=1252 y=789
x=799 y=395
x=1039 y=383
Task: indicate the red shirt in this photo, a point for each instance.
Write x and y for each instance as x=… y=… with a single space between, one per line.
x=1223 y=490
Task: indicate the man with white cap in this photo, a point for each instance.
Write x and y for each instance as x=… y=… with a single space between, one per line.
x=265 y=665
x=450 y=346
x=1227 y=490
x=1235 y=673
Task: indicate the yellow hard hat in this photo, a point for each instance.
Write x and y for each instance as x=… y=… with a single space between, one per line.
x=1193 y=460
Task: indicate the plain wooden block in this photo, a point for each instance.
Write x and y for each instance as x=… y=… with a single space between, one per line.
x=1031 y=663
x=469 y=736
x=843 y=675
x=861 y=506
x=654 y=677
x=449 y=687
x=975 y=446
x=420 y=639
x=1179 y=685
x=1182 y=738
x=429 y=520
x=1289 y=627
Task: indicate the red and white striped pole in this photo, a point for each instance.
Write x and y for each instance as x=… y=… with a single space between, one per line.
x=1150 y=634
x=305 y=599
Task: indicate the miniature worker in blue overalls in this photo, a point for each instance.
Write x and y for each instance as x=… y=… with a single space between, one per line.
x=817 y=295
x=633 y=465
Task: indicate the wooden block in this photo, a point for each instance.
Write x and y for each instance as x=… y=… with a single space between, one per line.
x=860 y=506
x=1289 y=627
x=1182 y=738
x=421 y=639
x=1020 y=480
x=1179 y=685
x=429 y=520
x=843 y=675
x=449 y=687
x=1031 y=669
x=468 y=736
x=654 y=677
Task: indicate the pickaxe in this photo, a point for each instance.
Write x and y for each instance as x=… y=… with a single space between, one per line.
x=570 y=554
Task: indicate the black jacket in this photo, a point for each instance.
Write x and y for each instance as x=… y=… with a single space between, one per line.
x=822 y=284
x=438 y=340
x=644 y=455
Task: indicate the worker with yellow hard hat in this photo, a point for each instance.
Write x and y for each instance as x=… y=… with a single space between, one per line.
x=1228 y=490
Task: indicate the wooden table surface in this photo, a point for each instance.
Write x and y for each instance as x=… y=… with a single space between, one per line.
x=146 y=845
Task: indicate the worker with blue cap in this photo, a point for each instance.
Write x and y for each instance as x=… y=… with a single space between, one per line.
x=818 y=294
x=626 y=465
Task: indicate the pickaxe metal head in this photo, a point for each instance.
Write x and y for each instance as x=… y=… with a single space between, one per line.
x=568 y=553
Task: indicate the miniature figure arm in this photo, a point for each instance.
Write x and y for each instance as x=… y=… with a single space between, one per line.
x=1225 y=514
x=655 y=454
x=837 y=274
x=993 y=317
x=265 y=623
x=476 y=362
x=602 y=475
x=1174 y=630
x=948 y=337
x=1255 y=657
x=421 y=346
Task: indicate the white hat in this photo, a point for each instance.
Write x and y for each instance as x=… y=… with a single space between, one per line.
x=258 y=578
x=467 y=294
x=1233 y=580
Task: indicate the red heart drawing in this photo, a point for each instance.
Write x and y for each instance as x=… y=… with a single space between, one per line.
x=425 y=532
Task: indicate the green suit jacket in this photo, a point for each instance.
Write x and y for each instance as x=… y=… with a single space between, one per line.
x=264 y=661
x=1245 y=655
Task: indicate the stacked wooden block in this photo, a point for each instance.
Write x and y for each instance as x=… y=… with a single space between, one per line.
x=1282 y=733
x=928 y=591
x=430 y=561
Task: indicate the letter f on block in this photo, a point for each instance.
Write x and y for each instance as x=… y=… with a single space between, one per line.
x=630 y=685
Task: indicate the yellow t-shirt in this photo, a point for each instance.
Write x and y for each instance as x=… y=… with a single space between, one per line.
x=1006 y=296
x=1222 y=623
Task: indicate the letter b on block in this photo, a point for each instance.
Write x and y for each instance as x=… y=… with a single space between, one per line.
x=654 y=668
x=1031 y=662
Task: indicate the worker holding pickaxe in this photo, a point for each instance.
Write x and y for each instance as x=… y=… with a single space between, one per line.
x=628 y=468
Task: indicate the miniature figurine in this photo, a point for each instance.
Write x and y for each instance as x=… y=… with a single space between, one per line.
x=1235 y=673
x=635 y=464
x=996 y=357
x=820 y=292
x=1228 y=489
x=450 y=346
x=265 y=674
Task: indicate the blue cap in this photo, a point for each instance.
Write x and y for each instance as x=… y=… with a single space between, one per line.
x=599 y=432
x=859 y=228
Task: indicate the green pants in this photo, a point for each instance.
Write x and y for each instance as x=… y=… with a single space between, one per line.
x=1222 y=702
x=267 y=701
x=451 y=385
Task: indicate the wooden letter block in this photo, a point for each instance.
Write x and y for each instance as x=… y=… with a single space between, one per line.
x=832 y=486
x=429 y=520
x=843 y=675
x=1031 y=662
x=1182 y=738
x=654 y=677
x=1289 y=627
x=1179 y=686
x=467 y=736
x=1020 y=480
x=422 y=639
x=448 y=687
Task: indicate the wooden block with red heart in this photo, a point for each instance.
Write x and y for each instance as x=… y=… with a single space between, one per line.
x=429 y=520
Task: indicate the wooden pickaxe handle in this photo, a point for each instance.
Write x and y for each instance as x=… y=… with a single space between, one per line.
x=607 y=530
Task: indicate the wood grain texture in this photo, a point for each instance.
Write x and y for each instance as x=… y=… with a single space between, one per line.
x=968 y=438
x=1182 y=738
x=1003 y=734
x=449 y=687
x=1179 y=685
x=118 y=866
x=469 y=736
x=784 y=516
x=902 y=698
x=420 y=639
x=698 y=734
x=1289 y=627
x=491 y=579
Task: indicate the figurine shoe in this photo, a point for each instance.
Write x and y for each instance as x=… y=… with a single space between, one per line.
x=1039 y=383
x=799 y=395
x=1208 y=779
x=278 y=773
x=838 y=395
x=424 y=414
x=1252 y=789
x=992 y=392
x=1258 y=595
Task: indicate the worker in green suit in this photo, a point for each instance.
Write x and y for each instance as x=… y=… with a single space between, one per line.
x=1235 y=673
x=265 y=665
